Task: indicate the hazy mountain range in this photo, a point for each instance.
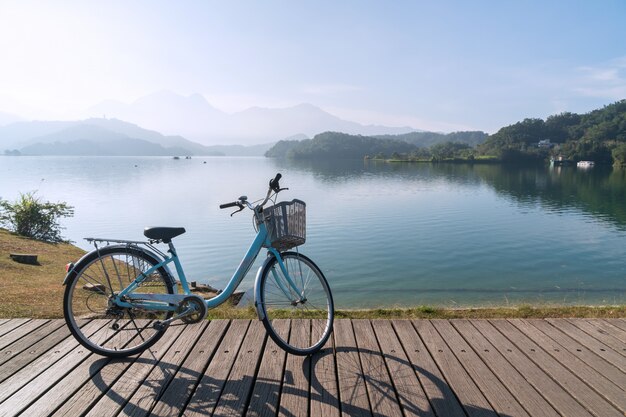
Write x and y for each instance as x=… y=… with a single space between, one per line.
x=194 y=118
x=7 y=118
x=105 y=137
x=165 y=123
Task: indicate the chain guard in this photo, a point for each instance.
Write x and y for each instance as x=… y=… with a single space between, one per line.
x=200 y=309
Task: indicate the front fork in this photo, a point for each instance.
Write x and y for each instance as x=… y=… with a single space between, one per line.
x=287 y=286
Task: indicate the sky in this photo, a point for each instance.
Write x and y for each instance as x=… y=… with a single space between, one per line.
x=433 y=65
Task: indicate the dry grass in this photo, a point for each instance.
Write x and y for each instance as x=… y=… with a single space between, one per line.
x=36 y=291
x=33 y=290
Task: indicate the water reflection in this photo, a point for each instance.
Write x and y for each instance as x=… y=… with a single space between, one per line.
x=385 y=234
x=600 y=192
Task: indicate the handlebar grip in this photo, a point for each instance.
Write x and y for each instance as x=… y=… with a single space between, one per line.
x=227 y=205
x=274 y=183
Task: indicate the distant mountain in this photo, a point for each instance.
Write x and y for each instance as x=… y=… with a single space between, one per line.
x=113 y=147
x=240 y=150
x=105 y=137
x=194 y=118
x=7 y=118
x=165 y=112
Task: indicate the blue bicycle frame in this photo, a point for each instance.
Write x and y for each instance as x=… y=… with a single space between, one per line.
x=165 y=302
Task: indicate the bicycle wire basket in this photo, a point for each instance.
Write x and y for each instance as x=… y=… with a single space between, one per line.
x=286 y=224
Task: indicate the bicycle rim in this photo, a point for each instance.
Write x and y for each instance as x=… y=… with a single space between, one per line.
x=310 y=309
x=87 y=297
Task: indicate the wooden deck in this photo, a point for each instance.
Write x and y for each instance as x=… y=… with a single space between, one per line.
x=446 y=368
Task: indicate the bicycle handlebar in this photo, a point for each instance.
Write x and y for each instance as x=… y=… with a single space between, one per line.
x=273 y=186
x=233 y=204
x=274 y=183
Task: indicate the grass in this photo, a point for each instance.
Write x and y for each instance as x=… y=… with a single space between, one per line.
x=33 y=290
x=36 y=291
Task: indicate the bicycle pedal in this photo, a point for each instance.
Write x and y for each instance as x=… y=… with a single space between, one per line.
x=159 y=325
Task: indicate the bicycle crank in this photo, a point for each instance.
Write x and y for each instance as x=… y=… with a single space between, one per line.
x=192 y=309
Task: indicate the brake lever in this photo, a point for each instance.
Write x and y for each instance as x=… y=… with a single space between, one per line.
x=241 y=207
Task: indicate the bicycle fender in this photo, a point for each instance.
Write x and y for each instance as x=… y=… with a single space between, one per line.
x=72 y=271
x=96 y=253
x=257 y=287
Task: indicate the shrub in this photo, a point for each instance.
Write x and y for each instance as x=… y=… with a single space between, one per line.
x=29 y=216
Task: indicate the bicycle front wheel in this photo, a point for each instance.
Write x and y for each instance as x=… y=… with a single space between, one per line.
x=89 y=292
x=306 y=301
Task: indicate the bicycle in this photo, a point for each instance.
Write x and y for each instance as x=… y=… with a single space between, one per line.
x=129 y=287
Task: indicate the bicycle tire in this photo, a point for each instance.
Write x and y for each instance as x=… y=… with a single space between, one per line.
x=315 y=314
x=89 y=286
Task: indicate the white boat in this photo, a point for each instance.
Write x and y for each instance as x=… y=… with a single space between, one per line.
x=585 y=164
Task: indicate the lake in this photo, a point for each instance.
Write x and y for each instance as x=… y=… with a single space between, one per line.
x=384 y=234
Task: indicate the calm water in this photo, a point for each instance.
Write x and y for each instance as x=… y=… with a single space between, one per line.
x=384 y=234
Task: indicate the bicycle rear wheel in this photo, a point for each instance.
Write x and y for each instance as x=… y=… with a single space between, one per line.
x=310 y=309
x=88 y=296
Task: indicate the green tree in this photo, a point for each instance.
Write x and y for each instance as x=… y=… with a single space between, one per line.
x=619 y=154
x=29 y=216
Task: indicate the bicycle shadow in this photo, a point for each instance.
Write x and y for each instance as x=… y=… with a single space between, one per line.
x=356 y=387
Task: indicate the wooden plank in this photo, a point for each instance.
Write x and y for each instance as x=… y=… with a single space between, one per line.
x=266 y=393
x=570 y=382
x=35 y=352
x=60 y=393
x=11 y=325
x=524 y=392
x=60 y=390
x=115 y=396
x=88 y=394
x=472 y=399
x=411 y=395
x=619 y=323
x=294 y=398
x=180 y=389
x=47 y=379
x=601 y=335
x=207 y=393
x=605 y=368
x=155 y=384
x=552 y=392
x=21 y=331
x=381 y=392
x=34 y=369
x=591 y=343
x=611 y=392
x=29 y=341
x=614 y=331
x=100 y=383
x=351 y=379
x=234 y=398
x=324 y=390
x=501 y=400
x=439 y=393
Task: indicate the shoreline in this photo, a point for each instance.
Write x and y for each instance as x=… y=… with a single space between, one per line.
x=36 y=291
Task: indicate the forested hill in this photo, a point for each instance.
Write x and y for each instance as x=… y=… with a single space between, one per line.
x=599 y=135
x=338 y=145
x=428 y=139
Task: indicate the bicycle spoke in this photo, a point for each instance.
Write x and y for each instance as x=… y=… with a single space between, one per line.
x=312 y=302
x=131 y=329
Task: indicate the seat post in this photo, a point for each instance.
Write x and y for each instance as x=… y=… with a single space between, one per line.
x=172 y=249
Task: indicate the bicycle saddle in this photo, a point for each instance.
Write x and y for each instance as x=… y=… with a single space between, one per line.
x=163 y=233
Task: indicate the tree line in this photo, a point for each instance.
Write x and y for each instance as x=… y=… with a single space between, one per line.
x=599 y=135
x=336 y=145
